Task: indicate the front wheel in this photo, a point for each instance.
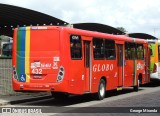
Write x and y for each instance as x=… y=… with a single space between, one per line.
x=101 y=90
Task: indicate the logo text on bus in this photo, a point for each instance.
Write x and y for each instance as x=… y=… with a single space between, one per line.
x=103 y=67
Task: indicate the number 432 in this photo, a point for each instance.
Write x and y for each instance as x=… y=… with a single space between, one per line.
x=36 y=71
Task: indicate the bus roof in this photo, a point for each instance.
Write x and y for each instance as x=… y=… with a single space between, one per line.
x=87 y=33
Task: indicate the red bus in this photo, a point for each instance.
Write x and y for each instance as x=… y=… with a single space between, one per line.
x=66 y=60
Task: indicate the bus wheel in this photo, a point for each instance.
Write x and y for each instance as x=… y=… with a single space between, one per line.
x=60 y=95
x=101 y=90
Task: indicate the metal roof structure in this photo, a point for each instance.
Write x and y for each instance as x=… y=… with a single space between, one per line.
x=13 y=16
x=142 y=36
x=98 y=27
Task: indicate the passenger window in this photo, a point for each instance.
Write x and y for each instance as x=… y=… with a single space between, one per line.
x=76 y=47
x=140 y=51
x=130 y=51
x=98 y=48
x=110 y=49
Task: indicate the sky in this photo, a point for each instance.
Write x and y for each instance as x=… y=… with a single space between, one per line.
x=136 y=16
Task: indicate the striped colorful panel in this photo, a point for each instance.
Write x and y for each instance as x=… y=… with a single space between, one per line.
x=23 y=52
x=27 y=54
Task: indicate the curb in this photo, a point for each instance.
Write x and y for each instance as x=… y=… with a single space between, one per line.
x=24 y=100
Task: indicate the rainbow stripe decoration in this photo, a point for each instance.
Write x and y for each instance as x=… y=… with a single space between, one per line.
x=23 y=54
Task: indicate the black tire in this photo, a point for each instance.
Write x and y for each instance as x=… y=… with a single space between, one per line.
x=60 y=95
x=100 y=95
x=140 y=80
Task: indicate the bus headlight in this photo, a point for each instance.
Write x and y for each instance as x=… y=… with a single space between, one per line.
x=15 y=73
x=60 y=74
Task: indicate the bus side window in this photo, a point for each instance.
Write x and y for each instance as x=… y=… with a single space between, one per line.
x=110 y=49
x=76 y=47
x=127 y=51
x=130 y=51
x=140 y=51
x=151 y=52
x=133 y=53
x=98 y=48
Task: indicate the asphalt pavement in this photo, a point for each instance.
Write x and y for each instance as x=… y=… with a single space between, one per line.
x=15 y=99
x=153 y=88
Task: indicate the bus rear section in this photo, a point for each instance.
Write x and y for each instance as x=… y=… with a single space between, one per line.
x=36 y=59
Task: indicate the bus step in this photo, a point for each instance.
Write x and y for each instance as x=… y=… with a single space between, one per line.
x=119 y=88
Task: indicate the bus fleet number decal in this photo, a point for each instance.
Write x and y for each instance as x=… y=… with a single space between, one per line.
x=36 y=71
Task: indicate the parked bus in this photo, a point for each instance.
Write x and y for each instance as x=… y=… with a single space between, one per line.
x=6 y=49
x=66 y=61
x=153 y=44
x=6 y=46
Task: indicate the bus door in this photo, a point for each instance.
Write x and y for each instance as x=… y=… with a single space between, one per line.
x=147 y=64
x=87 y=65
x=130 y=64
x=120 y=63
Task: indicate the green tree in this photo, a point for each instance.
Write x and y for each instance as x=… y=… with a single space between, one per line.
x=121 y=29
